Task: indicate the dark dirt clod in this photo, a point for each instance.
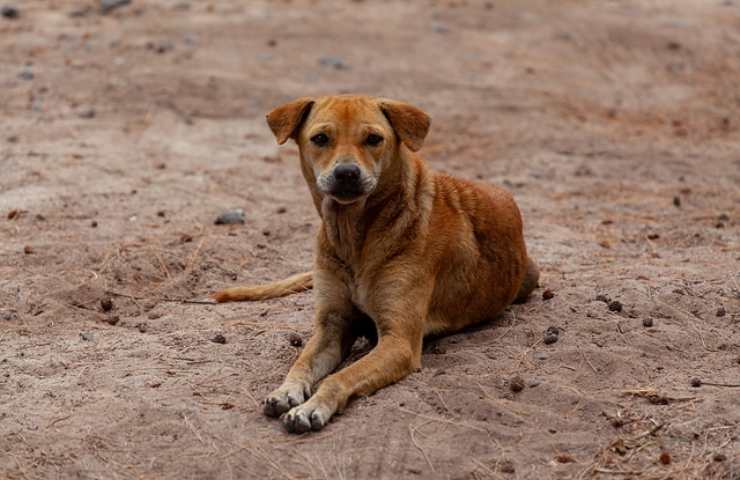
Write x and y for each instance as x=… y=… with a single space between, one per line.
x=676 y=201
x=10 y=12
x=13 y=214
x=113 y=320
x=219 y=339
x=615 y=306
x=547 y=294
x=507 y=466
x=87 y=113
x=86 y=336
x=231 y=217
x=552 y=334
x=723 y=217
x=719 y=457
x=28 y=249
x=564 y=458
x=516 y=384
x=142 y=327
x=281 y=210
x=161 y=213
x=696 y=382
x=602 y=298
x=106 y=304
x=721 y=312
x=185 y=238
x=94 y=224
x=653 y=236
x=665 y=458
x=647 y=322
x=295 y=340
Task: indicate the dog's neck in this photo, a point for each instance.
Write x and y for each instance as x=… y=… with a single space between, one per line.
x=390 y=210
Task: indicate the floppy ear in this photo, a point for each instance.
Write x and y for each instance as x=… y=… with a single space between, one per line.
x=286 y=120
x=410 y=123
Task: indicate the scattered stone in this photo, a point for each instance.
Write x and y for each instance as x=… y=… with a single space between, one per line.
x=154 y=315
x=26 y=74
x=516 y=384
x=28 y=249
x=10 y=12
x=615 y=306
x=107 y=6
x=665 y=458
x=281 y=210
x=541 y=356
x=295 y=340
x=719 y=457
x=12 y=139
x=723 y=217
x=40 y=217
x=94 y=224
x=231 y=217
x=160 y=166
x=647 y=322
x=440 y=28
x=719 y=225
x=564 y=458
x=86 y=336
x=161 y=213
x=552 y=334
x=186 y=238
x=113 y=320
x=266 y=232
x=15 y=213
x=219 y=339
x=653 y=236
x=334 y=62
x=676 y=201
x=721 y=312
x=547 y=294
x=272 y=42
x=106 y=304
x=160 y=47
x=142 y=327
x=696 y=382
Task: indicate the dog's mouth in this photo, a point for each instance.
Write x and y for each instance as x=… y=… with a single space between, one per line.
x=347 y=195
x=346 y=192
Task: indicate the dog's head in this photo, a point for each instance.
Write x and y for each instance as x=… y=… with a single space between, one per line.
x=348 y=141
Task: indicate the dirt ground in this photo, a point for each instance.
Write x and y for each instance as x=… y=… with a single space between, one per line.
x=614 y=123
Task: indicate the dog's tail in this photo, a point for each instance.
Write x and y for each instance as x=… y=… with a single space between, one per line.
x=294 y=284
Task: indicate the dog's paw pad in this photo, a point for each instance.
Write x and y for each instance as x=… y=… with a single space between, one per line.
x=306 y=417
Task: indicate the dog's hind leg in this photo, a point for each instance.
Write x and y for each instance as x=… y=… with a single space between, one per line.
x=530 y=281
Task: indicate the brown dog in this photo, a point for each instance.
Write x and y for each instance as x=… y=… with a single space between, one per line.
x=414 y=251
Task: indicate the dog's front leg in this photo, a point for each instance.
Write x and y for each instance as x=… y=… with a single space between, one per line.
x=323 y=352
x=397 y=354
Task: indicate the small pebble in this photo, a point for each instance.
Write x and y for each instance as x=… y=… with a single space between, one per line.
x=516 y=384
x=719 y=457
x=113 y=320
x=94 y=224
x=88 y=337
x=281 y=210
x=721 y=312
x=723 y=217
x=106 y=304
x=161 y=213
x=665 y=458
x=185 y=238
x=602 y=298
x=507 y=466
x=219 y=339
x=28 y=249
x=615 y=306
x=87 y=113
x=10 y=12
x=231 y=217
x=676 y=201
x=26 y=75
x=647 y=322
x=547 y=294
x=334 y=62
x=141 y=326
x=295 y=340
x=552 y=334
x=107 y=6
x=696 y=382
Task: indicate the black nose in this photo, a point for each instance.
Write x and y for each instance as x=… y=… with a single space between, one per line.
x=347 y=173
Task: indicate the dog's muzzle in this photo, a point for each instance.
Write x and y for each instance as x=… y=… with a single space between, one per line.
x=346 y=182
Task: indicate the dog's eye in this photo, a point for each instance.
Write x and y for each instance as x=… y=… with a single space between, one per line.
x=373 y=140
x=320 y=139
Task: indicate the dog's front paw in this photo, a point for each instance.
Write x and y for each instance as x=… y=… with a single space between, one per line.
x=287 y=396
x=312 y=415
